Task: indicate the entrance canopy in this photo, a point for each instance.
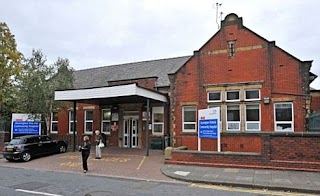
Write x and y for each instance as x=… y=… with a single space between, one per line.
x=130 y=93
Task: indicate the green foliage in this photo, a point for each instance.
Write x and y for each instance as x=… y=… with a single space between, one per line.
x=62 y=80
x=33 y=89
x=28 y=85
x=39 y=81
x=10 y=69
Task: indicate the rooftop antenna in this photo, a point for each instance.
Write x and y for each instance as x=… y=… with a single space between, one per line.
x=221 y=13
x=217 y=14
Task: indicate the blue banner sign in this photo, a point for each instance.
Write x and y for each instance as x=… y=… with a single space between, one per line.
x=26 y=127
x=208 y=128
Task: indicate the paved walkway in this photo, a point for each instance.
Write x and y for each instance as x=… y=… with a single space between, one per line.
x=132 y=163
x=119 y=162
x=306 y=182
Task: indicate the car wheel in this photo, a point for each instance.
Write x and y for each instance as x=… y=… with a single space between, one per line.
x=62 y=149
x=26 y=156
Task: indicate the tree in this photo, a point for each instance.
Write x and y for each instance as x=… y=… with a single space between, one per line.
x=38 y=83
x=10 y=69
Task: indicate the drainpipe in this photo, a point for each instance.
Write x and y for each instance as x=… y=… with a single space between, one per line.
x=74 y=125
x=147 y=129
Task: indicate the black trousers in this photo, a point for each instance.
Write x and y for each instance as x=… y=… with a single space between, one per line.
x=85 y=157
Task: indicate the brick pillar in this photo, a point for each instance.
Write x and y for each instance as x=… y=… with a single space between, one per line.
x=265 y=147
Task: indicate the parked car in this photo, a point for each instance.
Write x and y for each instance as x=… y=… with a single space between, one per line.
x=26 y=147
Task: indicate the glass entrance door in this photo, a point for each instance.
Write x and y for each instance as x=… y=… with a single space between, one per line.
x=130 y=132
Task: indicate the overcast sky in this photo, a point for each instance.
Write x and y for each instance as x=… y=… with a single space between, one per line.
x=106 y=32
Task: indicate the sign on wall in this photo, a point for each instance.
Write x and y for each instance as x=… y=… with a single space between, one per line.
x=115 y=117
x=25 y=124
x=209 y=125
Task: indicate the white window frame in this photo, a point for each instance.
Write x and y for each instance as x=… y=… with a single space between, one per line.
x=232 y=100
x=157 y=110
x=248 y=122
x=233 y=122
x=283 y=122
x=53 y=122
x=71 y=121
x=189 y=123
x=255 y=99
x=231 y=48
x=107 y=132
x=88 y=121
x=211 y=101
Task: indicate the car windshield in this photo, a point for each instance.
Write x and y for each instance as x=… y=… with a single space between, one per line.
x=15 y=141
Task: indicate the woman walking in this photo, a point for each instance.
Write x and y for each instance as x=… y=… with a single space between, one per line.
x=85 y=152
x=98 y=139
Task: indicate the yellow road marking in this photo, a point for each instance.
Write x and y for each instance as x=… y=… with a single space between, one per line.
x=72 y=164
x=144 y=158
x=108 y=159
x=112 y=159
x=71 y=157
x=256 y=191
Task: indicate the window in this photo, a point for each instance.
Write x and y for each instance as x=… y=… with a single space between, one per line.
x=54 y=122
x=213 y=106
x=45 y=138
x=253 y=117
x=157 y=120
x=233 y=96
x=231 y=48
x=71 y=122
x=251 y=95
x=32 y=140
x=214 y=96
x=283 y=117
x=233 y=118
x=88 y=121
x=240 y=106
x=106 y=121
x=189 y=117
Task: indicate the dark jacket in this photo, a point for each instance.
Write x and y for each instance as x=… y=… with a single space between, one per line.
x=98 y=138
x=85 y=147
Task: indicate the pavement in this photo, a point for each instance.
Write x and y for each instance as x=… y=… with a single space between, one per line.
x=133 y=164
x=295 y=181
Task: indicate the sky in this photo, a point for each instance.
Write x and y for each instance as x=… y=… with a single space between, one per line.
x=106 y=32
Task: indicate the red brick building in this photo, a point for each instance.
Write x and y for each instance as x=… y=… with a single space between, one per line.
x=258 y=86
x=315 y=100
x=114 y=99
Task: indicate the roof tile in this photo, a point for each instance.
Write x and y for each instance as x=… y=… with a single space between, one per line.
x=98 y=77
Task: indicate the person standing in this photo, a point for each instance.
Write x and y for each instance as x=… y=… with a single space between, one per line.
x=98 y=139
x=85 y=152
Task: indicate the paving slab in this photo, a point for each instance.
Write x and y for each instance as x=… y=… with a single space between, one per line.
x=253 y=178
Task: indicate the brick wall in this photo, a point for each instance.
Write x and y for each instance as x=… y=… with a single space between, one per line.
x=149 y=83
x=63 y=118
x=231 y=142
x=257 y=62
x=241 y=142
x=295 y=148
x=289 y=151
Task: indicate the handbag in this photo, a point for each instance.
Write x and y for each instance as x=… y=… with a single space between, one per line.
x=101 y=144
x=79 y=148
